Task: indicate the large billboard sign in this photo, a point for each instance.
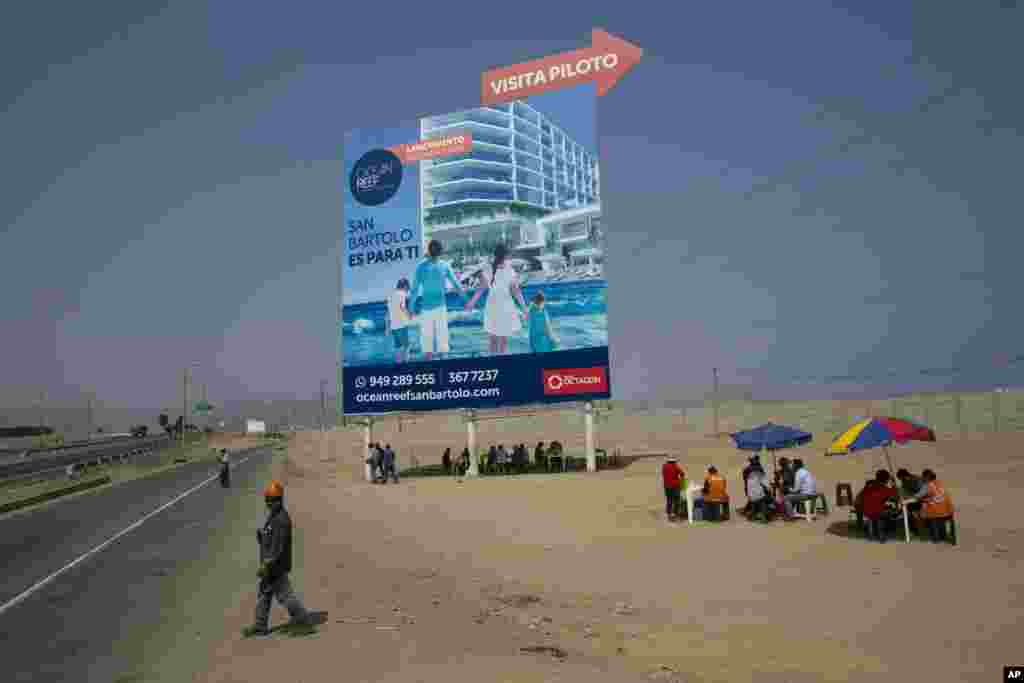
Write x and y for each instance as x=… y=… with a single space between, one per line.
x=473 y=263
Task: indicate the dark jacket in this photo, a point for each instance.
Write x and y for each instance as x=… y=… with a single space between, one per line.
x=276 y=543
x=389 y=458
x=788 y=478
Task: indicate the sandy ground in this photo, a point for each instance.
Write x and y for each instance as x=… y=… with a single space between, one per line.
x=440 y=580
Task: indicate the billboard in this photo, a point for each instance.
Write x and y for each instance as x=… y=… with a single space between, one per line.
x=473 y=259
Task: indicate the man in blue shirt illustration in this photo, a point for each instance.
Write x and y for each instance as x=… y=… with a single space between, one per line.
x=429 y=286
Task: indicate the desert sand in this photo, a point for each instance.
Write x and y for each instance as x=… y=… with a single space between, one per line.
x=445 y=580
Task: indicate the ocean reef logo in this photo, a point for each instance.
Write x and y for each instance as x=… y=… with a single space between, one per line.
x=376 y=177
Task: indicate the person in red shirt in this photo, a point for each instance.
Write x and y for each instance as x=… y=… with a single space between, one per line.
x=672 y=476
x=874 y=501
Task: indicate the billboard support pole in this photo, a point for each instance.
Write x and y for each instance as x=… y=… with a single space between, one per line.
x=588 y=421
x=367 y=440
x=474 y=461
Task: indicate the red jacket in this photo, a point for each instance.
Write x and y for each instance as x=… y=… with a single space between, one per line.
x=874 y=500
x=672 y=474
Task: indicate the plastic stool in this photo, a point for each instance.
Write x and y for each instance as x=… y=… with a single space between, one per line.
x=844 y=495
x=824 y=503
x=806 y=509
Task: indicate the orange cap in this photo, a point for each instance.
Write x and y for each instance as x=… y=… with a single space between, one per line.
x=273 y=490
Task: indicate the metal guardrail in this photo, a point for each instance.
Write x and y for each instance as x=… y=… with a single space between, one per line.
x=60 y=459
x=93 y=459
x=30 y=452
x=36 y=452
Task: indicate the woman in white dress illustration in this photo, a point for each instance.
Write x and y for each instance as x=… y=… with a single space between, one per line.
x=505 y=309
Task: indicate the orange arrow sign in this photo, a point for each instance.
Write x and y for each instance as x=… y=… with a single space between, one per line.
x=605 y=61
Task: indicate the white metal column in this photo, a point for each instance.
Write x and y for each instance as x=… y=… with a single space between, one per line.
x=588 y=421
x=367 y=440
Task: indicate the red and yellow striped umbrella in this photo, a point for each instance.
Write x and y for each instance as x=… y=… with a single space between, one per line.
x=874 y=432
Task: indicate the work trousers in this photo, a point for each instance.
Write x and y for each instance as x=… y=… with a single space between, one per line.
x=761 y=507
x=877 y=528
x=937 y=529
x=714 y=512
x=280 y=589
x=671 y=502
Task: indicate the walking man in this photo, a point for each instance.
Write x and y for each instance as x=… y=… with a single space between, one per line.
x=275 y=540
x=225 y=468
x=390 y=468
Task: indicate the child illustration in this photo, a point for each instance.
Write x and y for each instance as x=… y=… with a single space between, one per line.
x=399 y=319
x=542 y=337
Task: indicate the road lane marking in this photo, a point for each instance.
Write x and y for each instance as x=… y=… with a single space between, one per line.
x=32 y=589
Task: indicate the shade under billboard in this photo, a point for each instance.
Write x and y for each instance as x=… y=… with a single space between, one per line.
x=473 y=259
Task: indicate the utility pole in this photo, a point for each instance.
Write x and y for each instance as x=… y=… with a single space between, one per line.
x=184 y=406
x=323 y=405
x=42 y=408
x=715 y=399
x=91 y=422
x=995 y=410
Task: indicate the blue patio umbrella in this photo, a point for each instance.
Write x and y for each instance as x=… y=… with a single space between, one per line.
x=771 y=437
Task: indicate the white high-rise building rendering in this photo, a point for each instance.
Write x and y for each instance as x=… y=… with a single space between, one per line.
x=522 y=168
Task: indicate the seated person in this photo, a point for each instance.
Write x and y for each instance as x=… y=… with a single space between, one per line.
x=492 y=459
x=804 y=488
x=936 y=507
x=759 y=494
x=755 y=462
x=538 y=455
x=715 y=495
x=555 y=454
x=785 y=476
x=913 y=489
x=875 y=499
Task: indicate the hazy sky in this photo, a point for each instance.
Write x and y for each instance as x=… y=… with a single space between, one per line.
x=792 y=190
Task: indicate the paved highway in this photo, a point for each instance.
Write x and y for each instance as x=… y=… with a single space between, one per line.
x=71 y=627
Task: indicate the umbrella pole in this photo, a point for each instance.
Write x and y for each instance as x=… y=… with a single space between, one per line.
x=775 y=468
x=906 y=520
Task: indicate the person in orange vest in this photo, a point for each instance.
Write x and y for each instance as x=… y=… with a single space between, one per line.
x=275 y=540
x=715 y=495
x=672 y=476
x=936 y=507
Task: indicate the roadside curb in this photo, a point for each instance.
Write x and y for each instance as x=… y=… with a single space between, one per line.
x=50 y=495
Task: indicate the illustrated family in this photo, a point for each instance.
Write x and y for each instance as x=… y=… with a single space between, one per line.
x=506 y=311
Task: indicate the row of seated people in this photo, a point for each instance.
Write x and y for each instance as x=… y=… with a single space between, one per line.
x=498 y=460
x=794 y=484
x=930 y=506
